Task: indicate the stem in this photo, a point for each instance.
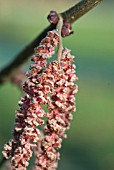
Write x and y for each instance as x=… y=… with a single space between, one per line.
x=70 y=15
x=59 y=27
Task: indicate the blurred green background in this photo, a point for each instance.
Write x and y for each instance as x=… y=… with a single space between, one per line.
x=90 y=143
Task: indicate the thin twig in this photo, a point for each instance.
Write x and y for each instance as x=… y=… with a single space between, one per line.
x=70 y=15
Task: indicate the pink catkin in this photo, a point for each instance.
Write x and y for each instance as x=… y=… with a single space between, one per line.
x=60 y=107
x=51 y=85
x=30 y=113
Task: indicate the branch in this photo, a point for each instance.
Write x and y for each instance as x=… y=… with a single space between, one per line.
x=70 y=15
x=22 y=57
x=79 y=10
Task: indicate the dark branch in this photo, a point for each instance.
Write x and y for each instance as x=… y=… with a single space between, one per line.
x=70 y=15
x=22 y=57
x=79 y=10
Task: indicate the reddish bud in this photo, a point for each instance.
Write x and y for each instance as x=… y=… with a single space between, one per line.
x=66 y=29
x=53 y=17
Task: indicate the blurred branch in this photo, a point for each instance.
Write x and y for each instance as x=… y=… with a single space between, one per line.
x=70 y=15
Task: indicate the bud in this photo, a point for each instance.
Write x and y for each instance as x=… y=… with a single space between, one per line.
x=66 y=29
x=53 y=17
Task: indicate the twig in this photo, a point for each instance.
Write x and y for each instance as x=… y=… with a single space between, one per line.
x=22 y=57
x=77 y=11
x=70 y=15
